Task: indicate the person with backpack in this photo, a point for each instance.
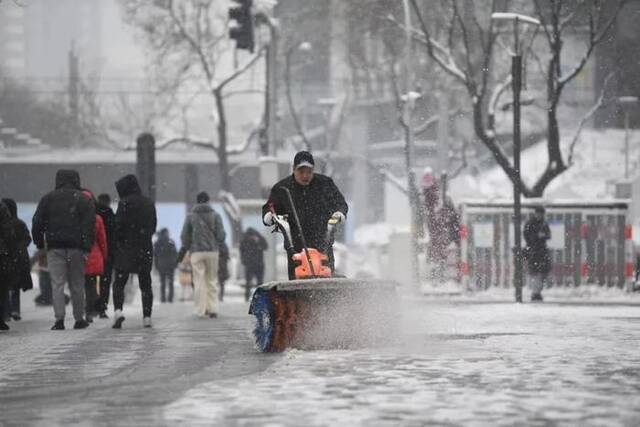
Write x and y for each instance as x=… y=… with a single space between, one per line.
x=64 y=224
x=202 y=235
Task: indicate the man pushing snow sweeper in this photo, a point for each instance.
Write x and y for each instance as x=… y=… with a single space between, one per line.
x=315 y=308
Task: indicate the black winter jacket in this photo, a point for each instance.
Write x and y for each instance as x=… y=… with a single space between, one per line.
x=165 y=255
x=19 y=268
x=135 y=225
x=252 y=247
x=315 y=203
x=536 y=234
x=6 y=236
x=65 y=218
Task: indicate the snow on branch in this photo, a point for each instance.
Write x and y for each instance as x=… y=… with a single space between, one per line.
x=596 y=34
x=599 y=104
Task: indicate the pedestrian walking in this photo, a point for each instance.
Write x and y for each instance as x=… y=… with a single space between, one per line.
x=202 y=235
x=185 y=278
x=19 y=267
x=536 y=234
x=103 y=208
x=135 y=225
x=6 y=234
x=64 y=223
x=165 y=256
x=94 y=267
x=223 y=268
x=39 y=261
x=252 y=247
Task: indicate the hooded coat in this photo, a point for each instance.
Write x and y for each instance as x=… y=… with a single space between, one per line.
x=135 y=225
x=19 y=267
x=65 y=218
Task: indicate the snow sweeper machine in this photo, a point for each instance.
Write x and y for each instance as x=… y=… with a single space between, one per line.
x=319 y=309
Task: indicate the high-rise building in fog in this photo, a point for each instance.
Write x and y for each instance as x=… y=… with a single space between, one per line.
x=36 y=37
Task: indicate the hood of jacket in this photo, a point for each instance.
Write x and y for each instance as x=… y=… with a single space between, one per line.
x=5 y=215
x=11 y=206
x=68 y=178
x=202 y=208
x=127 y=186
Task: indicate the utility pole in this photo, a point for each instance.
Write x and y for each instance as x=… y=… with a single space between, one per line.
x=74 y=77
x=146 y=164
x=271 y=100
x=516 y=85
x=407 y=117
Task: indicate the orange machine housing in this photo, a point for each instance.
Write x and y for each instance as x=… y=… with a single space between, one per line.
x=319 y=262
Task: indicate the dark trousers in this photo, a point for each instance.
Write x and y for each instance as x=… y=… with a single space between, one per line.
x=14 y=302
x=102 y=302
x=291 y=265
x=166 y=282
x=91 y=293
x=4 y=300
x=250 y=273
x=221 y=290
x=144 y=279
x=46 y=293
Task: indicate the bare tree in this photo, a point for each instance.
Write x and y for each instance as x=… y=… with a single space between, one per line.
x=466 y=49
x=189 y=37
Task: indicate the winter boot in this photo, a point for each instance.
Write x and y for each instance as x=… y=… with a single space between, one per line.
x=58 y=326
x=118 y=318
x=80 y=324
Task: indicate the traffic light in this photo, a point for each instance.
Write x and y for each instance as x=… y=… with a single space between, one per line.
x=242 y=31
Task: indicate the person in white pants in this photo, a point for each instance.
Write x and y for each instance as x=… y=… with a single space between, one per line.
x=204 y=267
x=202 y=235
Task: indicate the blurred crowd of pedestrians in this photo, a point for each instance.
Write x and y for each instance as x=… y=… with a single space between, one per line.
x=85 y=251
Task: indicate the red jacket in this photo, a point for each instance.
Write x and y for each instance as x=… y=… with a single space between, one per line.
x=95 y=262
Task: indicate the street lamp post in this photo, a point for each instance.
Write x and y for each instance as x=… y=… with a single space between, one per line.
x=409 y=99
x=627 y=103
x=302 y=47
x=516 y=77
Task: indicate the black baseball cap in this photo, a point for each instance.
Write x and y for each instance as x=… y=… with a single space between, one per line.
x=303 y=158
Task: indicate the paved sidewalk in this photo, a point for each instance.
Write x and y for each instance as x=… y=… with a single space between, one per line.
x=102 y=376
x=455 y=363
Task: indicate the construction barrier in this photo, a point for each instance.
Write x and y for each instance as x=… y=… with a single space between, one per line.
x=590 y=243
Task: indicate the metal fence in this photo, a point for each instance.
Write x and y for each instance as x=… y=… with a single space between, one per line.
x=590 y=243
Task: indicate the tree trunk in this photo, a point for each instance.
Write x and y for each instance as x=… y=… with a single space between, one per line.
x=225 y=181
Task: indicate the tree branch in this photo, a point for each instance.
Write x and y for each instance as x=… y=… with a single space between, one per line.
x=239 y=71
x=446 y=61
x=595 y=37
x=599 y=104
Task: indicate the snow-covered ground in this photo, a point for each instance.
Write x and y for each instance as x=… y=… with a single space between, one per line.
x=456 y=363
